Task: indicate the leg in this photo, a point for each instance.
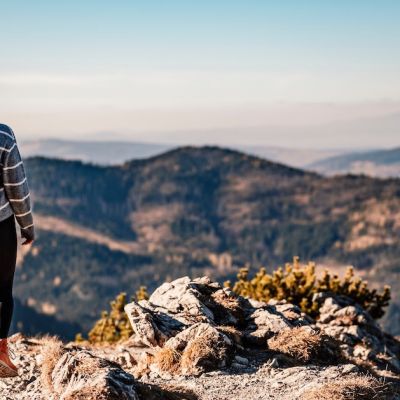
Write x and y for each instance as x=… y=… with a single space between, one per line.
x=8 y=256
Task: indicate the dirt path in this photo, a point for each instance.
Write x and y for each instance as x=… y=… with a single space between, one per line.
x=59 y=225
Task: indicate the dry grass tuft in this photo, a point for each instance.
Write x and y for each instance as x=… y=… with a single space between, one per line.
x=304 y=345
x=229 y=302
x=168 y=360
x=89 y=365
x=232 y=333
x=225 y=305
x=351 y=388
x=52 y=351
x=201 y=353
x=203 y=348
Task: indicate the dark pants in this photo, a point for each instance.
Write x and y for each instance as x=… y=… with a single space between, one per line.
x=8 y=258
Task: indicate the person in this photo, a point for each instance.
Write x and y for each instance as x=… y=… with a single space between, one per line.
x=15 y=204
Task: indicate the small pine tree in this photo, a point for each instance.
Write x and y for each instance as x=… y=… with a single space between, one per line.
x=142 y=293
x=114 y=326
x=297 y=284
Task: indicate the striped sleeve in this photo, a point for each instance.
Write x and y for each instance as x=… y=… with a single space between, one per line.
x=17 y=191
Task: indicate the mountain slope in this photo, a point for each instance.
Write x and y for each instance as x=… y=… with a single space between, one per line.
x=195 y=211
x=382 y=163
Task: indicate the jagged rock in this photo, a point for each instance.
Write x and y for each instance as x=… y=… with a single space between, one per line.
x=362 y=337
x=82 y=375
x=175 y=311
x=198 y=300
x=266 y=319
x=152 y=326
x=183 y=297
x=179 y=304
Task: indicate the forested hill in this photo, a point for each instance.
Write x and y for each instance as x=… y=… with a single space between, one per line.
x=190 y=211
x=107 y=198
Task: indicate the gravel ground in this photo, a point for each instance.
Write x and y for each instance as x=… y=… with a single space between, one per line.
x=258 y=380
x=262 y=384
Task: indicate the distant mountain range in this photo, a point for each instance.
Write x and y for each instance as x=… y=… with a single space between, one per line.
x=380 y=163
x=193 y=211
x=104 y=153
x=118 y=152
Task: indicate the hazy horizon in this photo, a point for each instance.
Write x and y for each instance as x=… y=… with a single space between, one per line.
x=99 y=137
x=288 y=74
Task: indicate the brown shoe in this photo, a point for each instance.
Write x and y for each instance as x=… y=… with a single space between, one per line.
x=7 y=368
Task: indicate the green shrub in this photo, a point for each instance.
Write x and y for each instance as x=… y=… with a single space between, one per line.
x=114 y=326
x=297 y=284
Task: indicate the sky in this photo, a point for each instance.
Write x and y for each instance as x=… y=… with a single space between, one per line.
x=301 y=73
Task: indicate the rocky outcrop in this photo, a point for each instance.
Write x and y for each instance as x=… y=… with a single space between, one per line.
x=180 y=313
x=178 y=305
x=360 y=335
x=195 y=340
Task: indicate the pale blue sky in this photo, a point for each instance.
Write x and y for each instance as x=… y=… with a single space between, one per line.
x=183 y=70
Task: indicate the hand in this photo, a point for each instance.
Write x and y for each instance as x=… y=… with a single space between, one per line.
x=29 y=236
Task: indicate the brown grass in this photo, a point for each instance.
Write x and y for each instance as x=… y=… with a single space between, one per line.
x=52 y=351
x=229 y=302
x=304 y=346
x=223 y=302
x=351 y=388
x=201 y=352
x=232 y=333
x=86 y=393
x=203 y=347
x=168 y=360
x=89 y=365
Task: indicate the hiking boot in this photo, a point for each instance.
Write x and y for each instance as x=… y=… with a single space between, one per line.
x=7 y=368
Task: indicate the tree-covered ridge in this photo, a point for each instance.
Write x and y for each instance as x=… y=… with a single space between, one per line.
x=222 y=200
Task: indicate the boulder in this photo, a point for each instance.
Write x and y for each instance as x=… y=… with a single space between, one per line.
x=152 y=326
x=82 y=375
x=267 y=319
x=362 y=337
x=199 y=300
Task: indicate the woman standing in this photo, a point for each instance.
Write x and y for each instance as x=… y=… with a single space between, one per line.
x=14 y=204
